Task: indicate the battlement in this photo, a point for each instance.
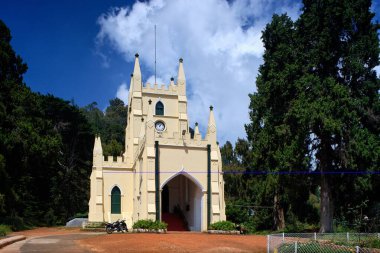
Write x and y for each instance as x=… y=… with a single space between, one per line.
x=113 y=161
x=161 y=89
x=179 y=139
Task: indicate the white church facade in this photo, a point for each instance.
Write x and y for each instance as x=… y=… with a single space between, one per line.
x=165 y=169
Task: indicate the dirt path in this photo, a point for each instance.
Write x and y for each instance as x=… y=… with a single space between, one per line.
x=45 y=231
x=74 y=240
x=175 y=242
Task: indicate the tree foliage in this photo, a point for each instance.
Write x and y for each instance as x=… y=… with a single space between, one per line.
x=316 y=109
x=109 y=125
x=45 y=149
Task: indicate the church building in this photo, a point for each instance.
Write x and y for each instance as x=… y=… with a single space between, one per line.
x=166 y=171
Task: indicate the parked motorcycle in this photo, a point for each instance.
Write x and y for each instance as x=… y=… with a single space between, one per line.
x=117 y=226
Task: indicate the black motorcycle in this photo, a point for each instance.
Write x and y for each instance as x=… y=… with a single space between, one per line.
x=117 y=226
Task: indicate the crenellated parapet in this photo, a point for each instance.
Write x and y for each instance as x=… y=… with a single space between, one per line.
x=162 y=89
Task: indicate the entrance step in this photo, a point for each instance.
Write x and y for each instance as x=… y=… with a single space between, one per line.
x=174 y=221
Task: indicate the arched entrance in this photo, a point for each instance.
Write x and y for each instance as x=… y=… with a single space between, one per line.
x=181 y=202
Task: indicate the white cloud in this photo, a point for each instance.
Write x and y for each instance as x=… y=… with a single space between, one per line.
x=377 y=69
x=122 y=93
x=219 y=42
x=159 y=81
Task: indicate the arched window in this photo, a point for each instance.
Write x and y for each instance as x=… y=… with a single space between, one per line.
x=159 y=108
x=115 y=200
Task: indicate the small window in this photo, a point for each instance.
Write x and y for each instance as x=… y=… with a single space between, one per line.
x=159 y=108
x=115 y=200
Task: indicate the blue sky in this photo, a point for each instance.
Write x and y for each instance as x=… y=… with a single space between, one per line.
x=83 y=50
x=57 y=41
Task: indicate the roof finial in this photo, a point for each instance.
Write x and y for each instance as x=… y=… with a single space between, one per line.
x=211 y=108
x=137 y=55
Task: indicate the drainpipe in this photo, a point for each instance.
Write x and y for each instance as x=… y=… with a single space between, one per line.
x=157 y=177
x=208 y=186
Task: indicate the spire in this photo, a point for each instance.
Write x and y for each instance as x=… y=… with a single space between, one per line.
x=196 y=130
x=98 y=146
x=197 y=134
x=137 y=74
x=211 y=128
x=97 y=153
x=172 y=81
x=181 y=79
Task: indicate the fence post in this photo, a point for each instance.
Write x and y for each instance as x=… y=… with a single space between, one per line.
x=295 y=247
x=283 y=236
x=357 y=249
x=315 y=236
x=348 y=237
x=268 y=243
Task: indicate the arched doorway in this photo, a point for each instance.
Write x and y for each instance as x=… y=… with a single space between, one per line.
x=181 y=204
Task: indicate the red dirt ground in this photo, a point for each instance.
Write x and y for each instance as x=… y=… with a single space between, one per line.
x=175 y=242
x=182 y=242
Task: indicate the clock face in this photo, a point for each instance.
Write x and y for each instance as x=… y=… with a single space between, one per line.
x=160 y=126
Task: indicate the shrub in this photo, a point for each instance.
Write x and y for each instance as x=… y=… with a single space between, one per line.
x=375 y=243
x=15 y=222
x=4 y=230
x=223 y=225
x=49 y=218
x=150 y=224
x=81 y=215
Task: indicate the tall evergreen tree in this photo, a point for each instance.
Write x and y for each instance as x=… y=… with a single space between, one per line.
x=317 y=102
x=278 y=141
x=340 y=49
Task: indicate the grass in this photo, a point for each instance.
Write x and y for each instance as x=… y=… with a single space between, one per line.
x=314 y=247
x=4 y=230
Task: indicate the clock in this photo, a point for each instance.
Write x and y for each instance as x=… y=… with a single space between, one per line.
x=160 y=126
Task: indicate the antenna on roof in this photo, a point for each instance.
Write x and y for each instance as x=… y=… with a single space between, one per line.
x=155 y=55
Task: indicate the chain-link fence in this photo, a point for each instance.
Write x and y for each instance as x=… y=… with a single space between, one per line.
x=323 y=242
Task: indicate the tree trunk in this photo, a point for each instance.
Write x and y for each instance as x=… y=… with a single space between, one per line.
x=327 y=207
x=279 y=218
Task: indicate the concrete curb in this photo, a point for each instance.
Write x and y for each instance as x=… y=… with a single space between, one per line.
x=10 y=240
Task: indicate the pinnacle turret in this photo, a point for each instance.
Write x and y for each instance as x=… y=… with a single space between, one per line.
x=137 y=74
x=196 y=130
x=211 y=128
x=97 y=158
x=181 y=79
x=98 y=146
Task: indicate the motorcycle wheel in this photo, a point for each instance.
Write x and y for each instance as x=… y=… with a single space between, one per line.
x=109 y=230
